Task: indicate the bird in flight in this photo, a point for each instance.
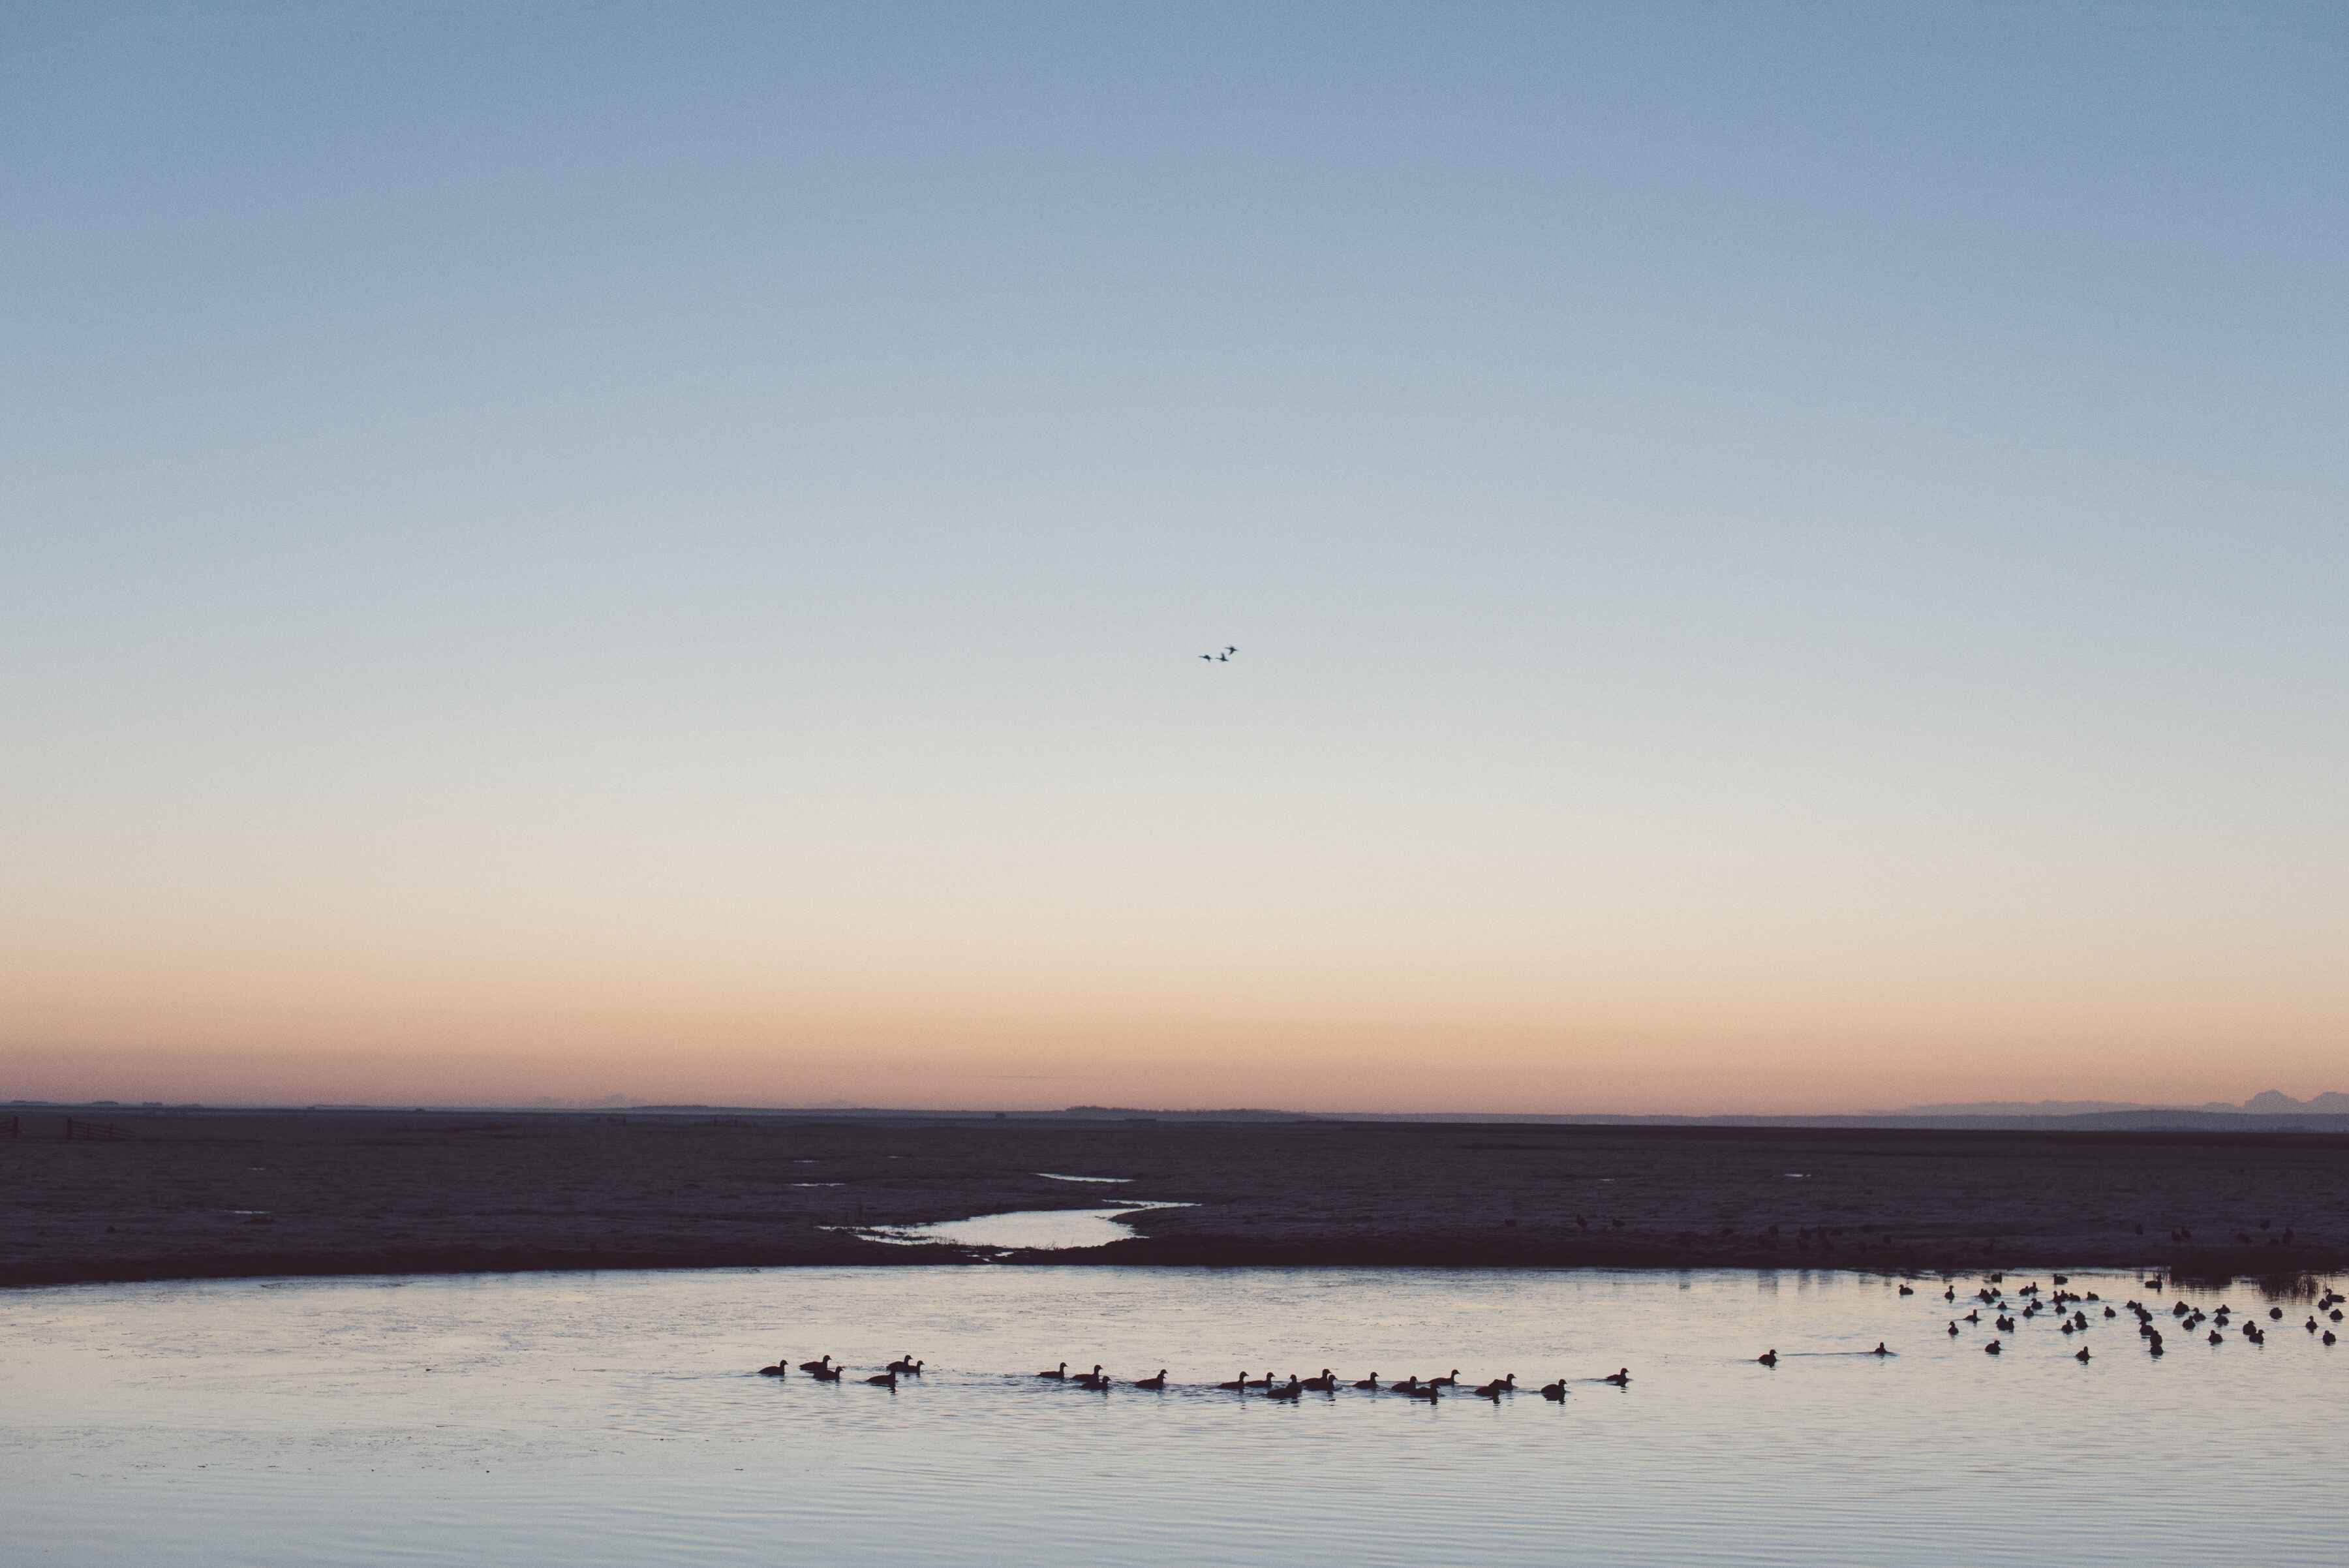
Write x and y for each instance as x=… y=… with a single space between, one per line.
x=1222 y=657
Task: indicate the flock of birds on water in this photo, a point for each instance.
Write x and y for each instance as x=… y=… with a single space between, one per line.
x=2065 y=1307
x=2184 y=1315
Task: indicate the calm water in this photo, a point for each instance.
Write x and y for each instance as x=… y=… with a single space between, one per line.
x=612 y=1419
x=1033 y=1229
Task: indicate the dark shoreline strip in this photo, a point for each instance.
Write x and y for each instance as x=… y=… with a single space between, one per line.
x=2215 y=1267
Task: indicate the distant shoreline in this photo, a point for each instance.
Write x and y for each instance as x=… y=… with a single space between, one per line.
x=1926 y=1118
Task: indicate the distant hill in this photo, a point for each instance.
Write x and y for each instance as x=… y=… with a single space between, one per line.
x=2267 y=1103
x=2270 y=1103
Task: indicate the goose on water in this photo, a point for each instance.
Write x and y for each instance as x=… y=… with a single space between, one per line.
x=1369 y=1384
x=1238 y=1385
x=816 y=1366
x=1058 y=1374
x=1151 y=1383
x=778 y=1370
x=884 y=1380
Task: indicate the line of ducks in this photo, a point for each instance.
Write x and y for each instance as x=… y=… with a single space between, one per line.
x=1328 y=1381
x=1097 y=1381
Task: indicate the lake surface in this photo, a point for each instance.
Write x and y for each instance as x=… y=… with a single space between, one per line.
x=614 y=1419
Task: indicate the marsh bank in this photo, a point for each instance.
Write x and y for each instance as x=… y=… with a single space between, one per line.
x=223 y=1195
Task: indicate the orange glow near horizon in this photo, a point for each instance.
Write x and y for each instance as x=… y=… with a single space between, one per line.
x=974 y=1025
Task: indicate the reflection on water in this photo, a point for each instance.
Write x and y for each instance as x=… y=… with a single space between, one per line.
x=1056 y=1176
x=614 y=1419
x=1036 y=1230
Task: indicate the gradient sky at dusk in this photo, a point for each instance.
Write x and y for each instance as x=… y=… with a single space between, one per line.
x=1784 y=557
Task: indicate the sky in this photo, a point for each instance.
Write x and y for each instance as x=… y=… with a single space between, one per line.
x=1784 y=557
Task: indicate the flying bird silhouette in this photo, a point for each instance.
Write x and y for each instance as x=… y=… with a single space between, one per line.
x=1222 y=657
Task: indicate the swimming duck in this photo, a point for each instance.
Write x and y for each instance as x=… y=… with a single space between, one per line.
x=906 y=1365
x=1323 y=1384
x=815 y=1366
x=1292 y=1389
x=1238 y=1385
x=1427 y=1393
x=778 y=1370
x=1091 y=1381
x=2082 y=1356
x=1553 y=1392
x=1621 y=1378
x=826 y=1373
x=1263 y=1382
x=884 y=1380
x=1058 y=1374
x=1953 y=1328
x=1151 y=1383
x=1408 y=1385
x=2329 y=1336
x=1450 y=1381
x=1498 y=1387
x=1879 y=1349
x=1369 y=1384
x=1770 y=1357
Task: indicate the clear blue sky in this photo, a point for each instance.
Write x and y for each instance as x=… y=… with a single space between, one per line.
x=1783 y=555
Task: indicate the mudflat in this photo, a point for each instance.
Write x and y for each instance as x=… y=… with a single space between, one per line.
x=217 y=1194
